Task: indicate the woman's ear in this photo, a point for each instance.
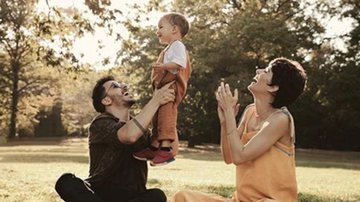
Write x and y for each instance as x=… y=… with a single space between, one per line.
x=106 y=101
x=273 y=89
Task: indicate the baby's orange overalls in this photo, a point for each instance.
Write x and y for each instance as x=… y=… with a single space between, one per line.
x=164 y=121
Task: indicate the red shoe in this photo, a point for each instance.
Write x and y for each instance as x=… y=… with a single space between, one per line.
x=162 y=158
x=145 y=154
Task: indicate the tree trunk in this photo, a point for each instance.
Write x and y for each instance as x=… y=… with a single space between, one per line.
x=15 y=65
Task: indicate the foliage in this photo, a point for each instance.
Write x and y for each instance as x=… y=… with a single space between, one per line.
x=50 y=124
x=227 y=41
x=27 y=39
x=333 y=95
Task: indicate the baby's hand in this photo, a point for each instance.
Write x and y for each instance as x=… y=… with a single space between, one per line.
x=157 y=65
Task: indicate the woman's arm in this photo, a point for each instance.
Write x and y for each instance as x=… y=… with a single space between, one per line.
x=224 y=142
x=268 y=135
x=271 y=131
x=225 y=149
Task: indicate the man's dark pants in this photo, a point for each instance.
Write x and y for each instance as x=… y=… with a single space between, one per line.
x=73 y=189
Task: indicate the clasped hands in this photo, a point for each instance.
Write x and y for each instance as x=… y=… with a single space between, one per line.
x=226 y=100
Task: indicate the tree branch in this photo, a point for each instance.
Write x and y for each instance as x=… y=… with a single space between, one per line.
x=235 y=4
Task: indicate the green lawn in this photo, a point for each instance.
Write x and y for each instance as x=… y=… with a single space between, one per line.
x=29 y=171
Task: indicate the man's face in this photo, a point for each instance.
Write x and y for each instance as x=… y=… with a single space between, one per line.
x=118 y=93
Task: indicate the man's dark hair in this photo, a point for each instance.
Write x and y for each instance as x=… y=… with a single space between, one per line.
x=290 y=77
x=98 y=93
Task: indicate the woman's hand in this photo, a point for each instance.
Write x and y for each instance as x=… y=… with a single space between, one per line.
x=226 y=101
x=221 y=113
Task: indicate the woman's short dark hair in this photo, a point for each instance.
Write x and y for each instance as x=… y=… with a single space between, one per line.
x=98 y=93
x=290 y=77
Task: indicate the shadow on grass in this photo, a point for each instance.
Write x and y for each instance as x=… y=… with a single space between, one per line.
x=227 y=192
x=39 y=150
x=349 y=163
x=328 y=159
x=305 y=197
x=224 y=191
x=32 y=158
x=45 y=141
x=154 y=182
x=328 y=164
x=200 y=155
x=304 y=158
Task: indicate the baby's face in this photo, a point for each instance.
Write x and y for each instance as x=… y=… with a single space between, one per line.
x=165 y=31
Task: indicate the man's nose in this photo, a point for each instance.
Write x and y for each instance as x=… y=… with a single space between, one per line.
x=125 y=87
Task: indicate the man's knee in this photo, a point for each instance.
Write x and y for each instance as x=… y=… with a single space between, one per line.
x=73 y=189
x=64 y=185
x=157 y=195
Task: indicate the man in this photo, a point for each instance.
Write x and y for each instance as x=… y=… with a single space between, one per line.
x=114 y=136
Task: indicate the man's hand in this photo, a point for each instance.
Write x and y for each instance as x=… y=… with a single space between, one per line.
x=131 y=131
x=164 y=95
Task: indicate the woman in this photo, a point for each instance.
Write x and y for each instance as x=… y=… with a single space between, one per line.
x=262 y=145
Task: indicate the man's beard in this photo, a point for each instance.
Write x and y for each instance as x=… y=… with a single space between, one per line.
x=122 y=102
x=129 y=103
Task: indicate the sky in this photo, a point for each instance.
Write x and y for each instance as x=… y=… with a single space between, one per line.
x=88 y=44
x=93 y=55
x=111 y=46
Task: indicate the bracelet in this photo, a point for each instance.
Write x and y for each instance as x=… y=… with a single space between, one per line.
x=139 y=125
x=229 y=133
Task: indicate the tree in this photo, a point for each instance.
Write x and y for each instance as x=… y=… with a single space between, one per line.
x=25 y=42
x=50 y=122
x=337 y=91
x=5 y=92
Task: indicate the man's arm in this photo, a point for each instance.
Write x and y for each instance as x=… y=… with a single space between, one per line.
x=133 y=129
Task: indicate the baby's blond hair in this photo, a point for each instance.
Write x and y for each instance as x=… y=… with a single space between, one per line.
x=179 y=20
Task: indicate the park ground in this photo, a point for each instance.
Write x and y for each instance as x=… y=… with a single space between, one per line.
x=30 y=168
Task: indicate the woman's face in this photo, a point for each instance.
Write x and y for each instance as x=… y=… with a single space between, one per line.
x=261 y=80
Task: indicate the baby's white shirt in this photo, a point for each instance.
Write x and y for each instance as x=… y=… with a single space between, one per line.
x=176 y=53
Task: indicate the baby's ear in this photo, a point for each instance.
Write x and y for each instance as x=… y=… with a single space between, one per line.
x=175 y=29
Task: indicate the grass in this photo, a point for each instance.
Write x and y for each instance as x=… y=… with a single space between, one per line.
x=29 y=171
